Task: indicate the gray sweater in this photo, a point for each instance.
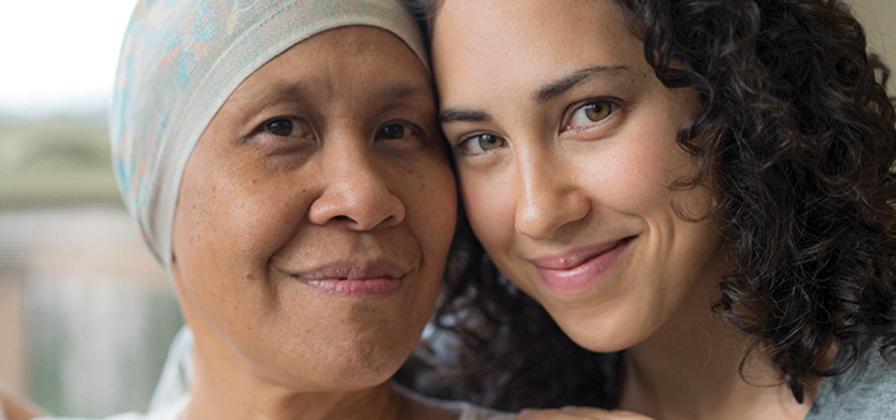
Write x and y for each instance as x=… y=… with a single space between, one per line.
x=865 y=392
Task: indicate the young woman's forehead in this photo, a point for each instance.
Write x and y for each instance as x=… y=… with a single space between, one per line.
x=475 y=51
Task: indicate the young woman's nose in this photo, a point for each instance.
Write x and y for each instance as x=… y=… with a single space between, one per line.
x=549 y=197
x=356 y=191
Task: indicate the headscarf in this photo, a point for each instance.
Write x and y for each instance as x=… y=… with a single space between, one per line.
x=181 y=60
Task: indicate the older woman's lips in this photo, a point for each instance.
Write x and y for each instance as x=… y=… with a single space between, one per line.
x=378 y=278
x=579 y=270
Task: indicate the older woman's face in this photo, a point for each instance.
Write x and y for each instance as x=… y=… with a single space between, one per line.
x=316 y=213
x=566 y=151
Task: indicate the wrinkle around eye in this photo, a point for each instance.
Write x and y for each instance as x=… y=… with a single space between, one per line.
x=287 y=126
x=407 y=129
x=286 y=132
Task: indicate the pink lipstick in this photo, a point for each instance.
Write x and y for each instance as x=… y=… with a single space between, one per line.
x=581 y=269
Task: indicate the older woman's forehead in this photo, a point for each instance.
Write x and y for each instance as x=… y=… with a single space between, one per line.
x=268 y=93
x=343 y=56
x=387 y=75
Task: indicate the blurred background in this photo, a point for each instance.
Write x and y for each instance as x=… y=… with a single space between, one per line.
x=86 y=314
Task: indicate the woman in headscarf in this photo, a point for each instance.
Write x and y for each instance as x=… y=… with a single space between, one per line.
x=284 y=162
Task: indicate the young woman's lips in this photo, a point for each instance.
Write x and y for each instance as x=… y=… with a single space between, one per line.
x=579 y=270
x=357 y=279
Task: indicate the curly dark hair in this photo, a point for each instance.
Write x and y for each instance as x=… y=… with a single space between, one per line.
x=796 y=134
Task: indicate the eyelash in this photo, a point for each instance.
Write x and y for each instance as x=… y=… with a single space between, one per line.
x=295 y=124
x=461 y=146
x=414 y=129
x=299 y=123
x=612 y=103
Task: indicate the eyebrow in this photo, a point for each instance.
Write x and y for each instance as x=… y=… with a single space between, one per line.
x=398 y=92
x=544 y=94
x=297 y=92
x=449 y=115
x=265 y=97
x=557 y=88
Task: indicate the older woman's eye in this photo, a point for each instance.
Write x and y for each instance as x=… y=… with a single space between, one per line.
x=481 y=143
x=287 y=127
x=397 y=130
x=589 y=114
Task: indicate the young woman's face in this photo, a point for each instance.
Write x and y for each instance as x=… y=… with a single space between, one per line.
x=316 y=213
x=566 y=152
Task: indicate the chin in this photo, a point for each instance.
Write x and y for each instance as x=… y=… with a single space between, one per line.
x=600 y=343
x=600 y=332
x=372 y=359
x=603 y=346
x=366 y=371
x=333 y=373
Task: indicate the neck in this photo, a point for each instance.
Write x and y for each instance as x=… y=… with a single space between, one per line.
x=210 y=402
x=229 y=389
x=691 y=369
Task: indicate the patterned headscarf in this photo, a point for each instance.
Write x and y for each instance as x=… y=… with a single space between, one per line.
x=181 y=60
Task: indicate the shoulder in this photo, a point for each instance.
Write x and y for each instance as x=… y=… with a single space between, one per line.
x=471 y=412
x=14 y=408
x=172 y=412
x=178 y=373
x=866 y=391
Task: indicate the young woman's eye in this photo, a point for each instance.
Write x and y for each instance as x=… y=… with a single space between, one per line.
x=481 y=143
x=396 y=130
x=589 y=114
x=287 y=127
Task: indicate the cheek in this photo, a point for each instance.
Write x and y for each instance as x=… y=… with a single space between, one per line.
x=638 y=168
x=261 y=214
x=490 y=205
x=431 y=200
x=238 y=218
x=636 y=176
x=230 y=220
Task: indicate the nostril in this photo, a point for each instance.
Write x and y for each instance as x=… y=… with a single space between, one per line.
x=389 y=220
x=342 y=218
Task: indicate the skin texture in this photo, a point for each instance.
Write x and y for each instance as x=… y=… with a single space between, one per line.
x=552 y=189
x=361 y=176
x=583 y=154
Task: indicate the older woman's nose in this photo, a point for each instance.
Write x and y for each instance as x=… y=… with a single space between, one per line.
x=548 y=197
x=357 y=193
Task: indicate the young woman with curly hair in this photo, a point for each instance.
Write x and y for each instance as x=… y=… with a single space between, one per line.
x=691 y=203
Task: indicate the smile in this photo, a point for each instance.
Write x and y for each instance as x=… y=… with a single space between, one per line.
x=579 y=270
x=356 y=279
